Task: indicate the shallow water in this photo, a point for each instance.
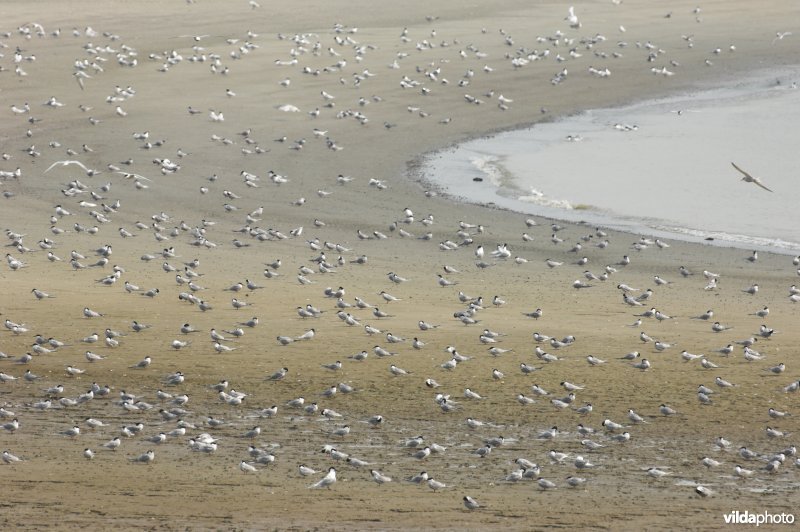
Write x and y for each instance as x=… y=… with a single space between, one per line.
x=660 y=167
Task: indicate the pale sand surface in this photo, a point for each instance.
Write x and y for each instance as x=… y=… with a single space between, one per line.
x=56 y=487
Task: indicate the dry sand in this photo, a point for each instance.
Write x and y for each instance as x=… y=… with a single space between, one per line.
x=55 y=486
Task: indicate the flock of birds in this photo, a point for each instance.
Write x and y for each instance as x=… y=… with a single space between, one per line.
x=232 y=422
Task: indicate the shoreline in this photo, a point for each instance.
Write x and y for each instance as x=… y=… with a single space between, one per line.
x=424 y=166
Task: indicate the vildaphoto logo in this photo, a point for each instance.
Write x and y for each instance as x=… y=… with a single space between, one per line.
x=762 y=518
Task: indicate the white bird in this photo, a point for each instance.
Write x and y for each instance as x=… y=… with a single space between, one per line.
x=722 y=443
x=446 y=282
x=707 y=364
x=93 y=357
x=12 y=425
x=379 y=478
x=220 y=348
x=688 y=357
x=72 y=370
x=469 y=394
x=285 y=340
x=244 y=467
x=570 y=387
x=780 y=35
x=10 y=458
x=435 y=485
x=113 y=444
x=777 y=370
x=750 y=179
x=89 y=313
x=388 y=297
x=591 y=445
x=397 y=371
x=41 y=295
x=67 y=163
x=470 y=503
x=775 y=433
x=636 y=418
x=72 y=432
x=549 y=434
x=657 y=473
x=703 y=491
x=145 y=458
x=306 y=471
x=327 y=481
x=777 y=414
x=430 y=383
x=594 y=361
x=546 y=484
x=308 y=335
x=575 y=481
x=572 y=19
x=666 y=410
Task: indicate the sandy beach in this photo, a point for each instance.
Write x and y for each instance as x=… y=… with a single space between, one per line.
x=177 y=113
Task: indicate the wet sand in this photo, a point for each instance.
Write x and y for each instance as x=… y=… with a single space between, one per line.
x=55 y=486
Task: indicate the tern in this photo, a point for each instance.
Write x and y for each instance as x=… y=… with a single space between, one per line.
x=656 y=472
x=780 y=35
x=67 y=163
x=10 y=458
x=246 y=467
x=666 y=410
x=305 y=471
x=89 y=313
x=718 y=327
x=750 y=179
x=435 y=485
x=470 y=503
x=145 y=458
x=777 y=413
x=41 y=295
x=326 y=481
x=379 y=478
x=636 y=418
x=545 y=484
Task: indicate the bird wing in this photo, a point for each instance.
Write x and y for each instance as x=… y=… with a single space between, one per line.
x=742 y=171
x=128 y=175
x=759 y=183
x=52 y=165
